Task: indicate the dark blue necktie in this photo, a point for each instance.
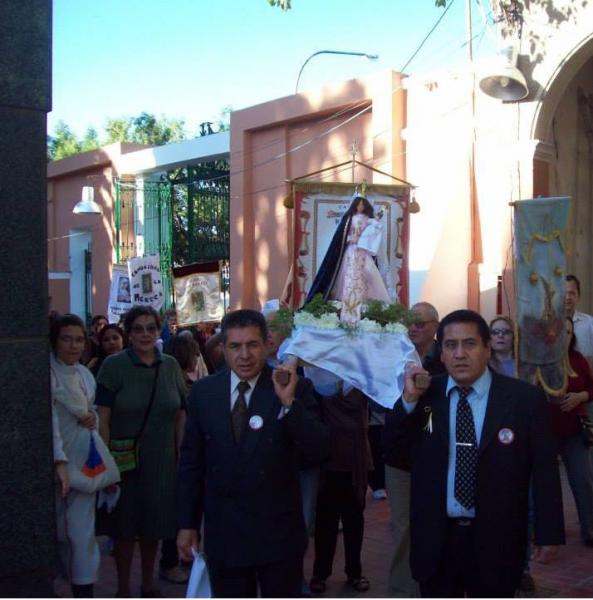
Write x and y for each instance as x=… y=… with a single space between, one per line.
x=466 y=452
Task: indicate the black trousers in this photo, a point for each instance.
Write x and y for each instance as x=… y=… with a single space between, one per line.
x=337 y=500
x=169 y=555
x=377 y=475
x=281 y=579
x=458 y=574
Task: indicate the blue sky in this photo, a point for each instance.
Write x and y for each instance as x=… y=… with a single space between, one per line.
x=190 y=58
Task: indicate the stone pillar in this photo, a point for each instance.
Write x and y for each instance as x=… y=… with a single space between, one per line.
x=27 y=513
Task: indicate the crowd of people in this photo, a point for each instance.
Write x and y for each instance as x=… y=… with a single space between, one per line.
x=214 y=438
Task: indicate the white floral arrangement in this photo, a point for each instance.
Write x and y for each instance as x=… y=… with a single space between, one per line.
x=331 y=321
x=395 y=328
x=325 y=315
x=327 y=321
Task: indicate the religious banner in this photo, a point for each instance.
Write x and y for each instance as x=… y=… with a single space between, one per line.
x=198 y=296
x=120 y=295
x=541 y=233
x=146 y=282
x=319 y=208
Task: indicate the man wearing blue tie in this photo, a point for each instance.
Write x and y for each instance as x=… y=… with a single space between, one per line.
x=476 y=439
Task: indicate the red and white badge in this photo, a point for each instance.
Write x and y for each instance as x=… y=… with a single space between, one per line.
x=256 y=422
x=506 y=436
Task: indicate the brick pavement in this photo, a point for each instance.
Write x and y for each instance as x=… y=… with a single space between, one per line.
x=570 y=575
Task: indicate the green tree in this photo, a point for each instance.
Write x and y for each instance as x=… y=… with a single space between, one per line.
x=145 y=129
x=283 y=4
x=90 y=140
x=286 y=4
x=223 y=123
x=117 y=130
x=63 y=143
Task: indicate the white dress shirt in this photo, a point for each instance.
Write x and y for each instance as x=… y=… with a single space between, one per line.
x=235 y=380
x=478 y=402
x=583 y=331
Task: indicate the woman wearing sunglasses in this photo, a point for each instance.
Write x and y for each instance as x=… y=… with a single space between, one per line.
x=502 y=343
x=141 y=398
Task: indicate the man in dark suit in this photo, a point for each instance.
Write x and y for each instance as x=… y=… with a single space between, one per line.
x=246 y=433
x=476 y=439
x=397 y=461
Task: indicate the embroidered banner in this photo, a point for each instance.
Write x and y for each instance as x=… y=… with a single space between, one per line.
x=145 y=279
x=198 y=298
x=541 y=233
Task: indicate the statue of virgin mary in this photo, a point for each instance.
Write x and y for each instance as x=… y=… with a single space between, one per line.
x=349 y=271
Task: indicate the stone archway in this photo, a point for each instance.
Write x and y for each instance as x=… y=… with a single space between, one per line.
x=563 y=161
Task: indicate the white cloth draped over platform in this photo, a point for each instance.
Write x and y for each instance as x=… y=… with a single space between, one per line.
x=374 y=363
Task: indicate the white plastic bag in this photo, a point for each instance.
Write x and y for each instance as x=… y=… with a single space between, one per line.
x=198 y=585
x=82 y=477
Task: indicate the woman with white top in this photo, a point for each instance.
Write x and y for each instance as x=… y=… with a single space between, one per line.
x=73 y=395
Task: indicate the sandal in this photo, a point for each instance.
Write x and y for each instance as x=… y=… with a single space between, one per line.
x=317 y=585
x=360 y=584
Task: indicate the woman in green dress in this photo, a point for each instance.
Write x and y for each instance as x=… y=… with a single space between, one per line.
x=141 y=396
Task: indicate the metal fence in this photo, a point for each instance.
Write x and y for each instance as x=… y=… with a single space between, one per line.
x=183 y=217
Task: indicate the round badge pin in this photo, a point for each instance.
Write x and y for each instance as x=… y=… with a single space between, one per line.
x=256 y=422
x=506 y=436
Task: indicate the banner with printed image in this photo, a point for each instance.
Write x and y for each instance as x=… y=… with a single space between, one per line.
x=198 y=295
x=120 y=294
x=146 y=282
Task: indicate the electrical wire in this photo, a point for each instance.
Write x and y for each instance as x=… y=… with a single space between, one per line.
x=331 y=117
x=427 y=36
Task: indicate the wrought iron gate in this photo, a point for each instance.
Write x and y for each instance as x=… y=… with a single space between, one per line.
x=201 y=221
x=184 y=217
x=143 y=224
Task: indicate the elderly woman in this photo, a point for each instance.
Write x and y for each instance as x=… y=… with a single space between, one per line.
x=140 y=398
x=73 y=394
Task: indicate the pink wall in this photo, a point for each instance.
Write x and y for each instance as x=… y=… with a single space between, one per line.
x=290 y=137
x=66 y=179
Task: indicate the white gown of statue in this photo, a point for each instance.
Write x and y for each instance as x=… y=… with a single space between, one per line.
x=359 y=278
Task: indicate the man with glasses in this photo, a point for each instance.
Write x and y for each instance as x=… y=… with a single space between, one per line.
x=582 y=322
x=477 y=439
x=397 y=461
x=422 y=333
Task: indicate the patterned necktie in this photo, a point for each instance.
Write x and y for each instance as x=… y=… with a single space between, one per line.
x=466 y=452
x=239 y=412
